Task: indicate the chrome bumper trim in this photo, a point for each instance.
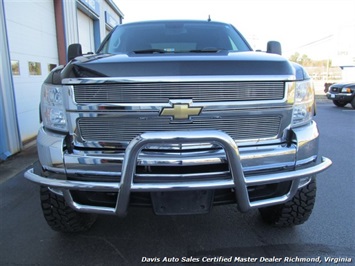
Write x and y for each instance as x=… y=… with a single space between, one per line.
x=238 y=181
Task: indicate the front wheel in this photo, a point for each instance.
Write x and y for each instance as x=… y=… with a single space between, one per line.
x=353 y=103
x=339 y=103
x=294 y=212
x=60 y=217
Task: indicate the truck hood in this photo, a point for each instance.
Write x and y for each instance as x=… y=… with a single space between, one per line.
x=221 y=63
x=344 y=84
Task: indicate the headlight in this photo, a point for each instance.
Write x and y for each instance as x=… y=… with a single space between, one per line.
x=301 y=94
x=52 y=107
x=346 y=90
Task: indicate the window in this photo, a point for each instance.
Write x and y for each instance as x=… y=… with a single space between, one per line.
x=174 y=37
x=34 y=68
x=51 y=67
x=15 y=66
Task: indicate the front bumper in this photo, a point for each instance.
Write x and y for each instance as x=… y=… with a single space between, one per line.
x=346 y=97
x=297 y=160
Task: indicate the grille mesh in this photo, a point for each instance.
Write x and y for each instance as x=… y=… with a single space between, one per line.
x=125 y=129
x=162 y=92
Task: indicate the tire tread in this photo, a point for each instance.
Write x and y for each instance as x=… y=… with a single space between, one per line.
x=60 y=217
x=294 y=212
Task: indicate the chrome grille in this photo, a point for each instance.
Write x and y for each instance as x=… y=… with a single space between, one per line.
x=335 y=89
x=162 y=92
x=111 y=129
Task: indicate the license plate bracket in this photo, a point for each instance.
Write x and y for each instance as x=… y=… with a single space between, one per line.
x=182 y=202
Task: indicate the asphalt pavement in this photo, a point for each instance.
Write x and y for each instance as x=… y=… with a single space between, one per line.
x=18 y=162
x=26 y=239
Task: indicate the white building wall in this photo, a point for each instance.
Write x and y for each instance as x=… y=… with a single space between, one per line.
x=345 y=51
x=111 y=19
x=10 y=141
x=95 y=19
x=70 y=21
x=32 y=38
x=348 y=73
x=86 y=32
x=31 y=35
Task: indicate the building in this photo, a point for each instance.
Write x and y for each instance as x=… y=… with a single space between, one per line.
x=345 y=51
x=34 y=36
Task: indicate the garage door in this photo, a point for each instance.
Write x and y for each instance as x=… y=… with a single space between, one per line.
x=33 y=52
x=86 y=32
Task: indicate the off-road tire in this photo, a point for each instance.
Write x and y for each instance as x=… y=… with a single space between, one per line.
x=294 y=212
x=353 y=103
x=340 y=103
x=60 y=217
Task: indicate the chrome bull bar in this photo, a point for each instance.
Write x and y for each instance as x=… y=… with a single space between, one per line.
x=238 y=181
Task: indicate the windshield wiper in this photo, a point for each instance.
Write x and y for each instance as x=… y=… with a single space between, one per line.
x=206 y=50
x=151 y=51
x=170 y=50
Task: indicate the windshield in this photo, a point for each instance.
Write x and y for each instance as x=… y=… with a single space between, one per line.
x=173 y=37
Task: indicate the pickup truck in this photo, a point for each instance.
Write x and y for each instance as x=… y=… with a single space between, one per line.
x=342 y=93
x=179 y=116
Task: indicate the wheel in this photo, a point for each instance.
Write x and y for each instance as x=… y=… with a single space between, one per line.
x=60 y=217
x=353 y=103
x=339 y=103
x=294 y=212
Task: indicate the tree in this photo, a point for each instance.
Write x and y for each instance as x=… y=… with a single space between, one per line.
x=303 y=60
x=294 y=57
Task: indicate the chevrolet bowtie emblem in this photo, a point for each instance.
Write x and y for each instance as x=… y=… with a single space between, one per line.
x=180 y=111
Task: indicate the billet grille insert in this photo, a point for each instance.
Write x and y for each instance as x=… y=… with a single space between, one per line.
x=162 y=92
x=111 y=129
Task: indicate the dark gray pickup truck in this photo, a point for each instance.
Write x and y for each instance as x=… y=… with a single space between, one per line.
x=342 y=93
x=179 y=116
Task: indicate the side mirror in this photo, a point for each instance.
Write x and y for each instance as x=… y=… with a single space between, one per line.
x=274 y=47
x=74 y=50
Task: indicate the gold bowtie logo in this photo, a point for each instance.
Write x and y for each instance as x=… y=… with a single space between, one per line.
x=180 y=111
